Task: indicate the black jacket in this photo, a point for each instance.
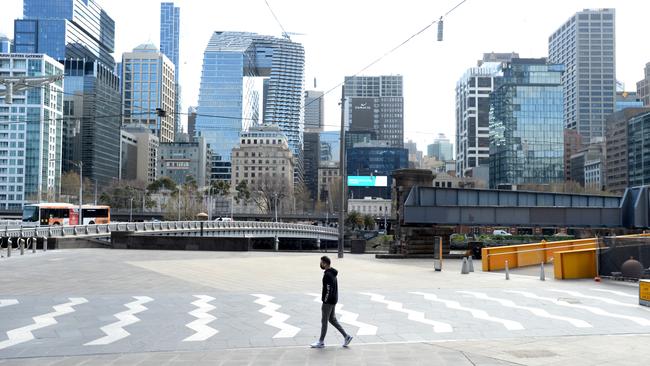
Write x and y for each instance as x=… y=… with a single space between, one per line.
x=330 y=287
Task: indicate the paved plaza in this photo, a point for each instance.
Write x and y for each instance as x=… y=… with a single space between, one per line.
x=101 y=306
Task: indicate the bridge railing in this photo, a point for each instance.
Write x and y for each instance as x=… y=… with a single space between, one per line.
x=163 y=226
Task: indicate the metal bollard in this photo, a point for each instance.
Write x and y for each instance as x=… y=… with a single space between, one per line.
x=9 y=244
x=21 y=246
x=34 y=242
x=542 y=274
x=277 y=244
x=463 y=268
x=471 y=264
x=507 y=271
x=45 y=244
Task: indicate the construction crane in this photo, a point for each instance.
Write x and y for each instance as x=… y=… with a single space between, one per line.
x=14 y=84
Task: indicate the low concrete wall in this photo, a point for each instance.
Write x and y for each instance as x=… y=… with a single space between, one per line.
x=125 y=240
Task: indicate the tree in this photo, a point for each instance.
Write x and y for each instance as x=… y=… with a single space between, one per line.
x=160 y=183
x=334 y=194
x=268 y=192
x=220 y=188
x=302 y=196
x=368 y=222
x=126 y=194
x=185 y=202
x=243 y=193
x=70 y=187
x=354 y=220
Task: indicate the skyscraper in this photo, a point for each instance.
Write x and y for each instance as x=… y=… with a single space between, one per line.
x=148 y=84
x=526 y=124
x=170 y=16
x=643 y=86
x=6 y=44
x=586 y=45
x=375 y=105
x=227 y=95
x=80 y=35
x=30 y=133
x=472 y=112
x=314 y=110
x=441 y=149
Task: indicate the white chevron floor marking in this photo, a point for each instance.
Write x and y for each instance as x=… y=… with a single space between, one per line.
x=200 y=325
x=349 y=317
x=603 y=299
x=416 y=316
x=619 y=293
x=24 y=334
x=276 y=319
x=535 y=311
x=476 y=313
x=592 y=309
x=8 y=302
x=115 y=331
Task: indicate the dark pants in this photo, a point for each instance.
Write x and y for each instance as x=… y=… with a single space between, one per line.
x=329 y=315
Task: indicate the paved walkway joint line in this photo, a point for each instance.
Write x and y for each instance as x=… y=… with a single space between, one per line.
x=349 y=317
x=476 y=313
x=277 y=319
x=115 y=331
x=416 y=316
x=200 y=325
x=24 y=334
x=592 y=309
x=535 y=311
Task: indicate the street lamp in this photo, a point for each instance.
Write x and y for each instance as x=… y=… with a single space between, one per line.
x=131 y=210
x=275 y=205
x=80 y=165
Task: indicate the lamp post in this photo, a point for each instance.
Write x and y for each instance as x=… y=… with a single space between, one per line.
x=131 y=210
x=80 y=165
x=342 y=173
x=275 y=205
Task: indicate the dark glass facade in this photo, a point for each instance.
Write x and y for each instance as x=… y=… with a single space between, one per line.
x=312 y=160
x=638 y=142
x=377 y=161
x=526 y=124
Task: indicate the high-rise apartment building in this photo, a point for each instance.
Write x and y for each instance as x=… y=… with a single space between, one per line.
x=375 y=105
x=643 y=86
x=617 y=147
x=229 y=93
x=138 y=154
x=441 y=149
x=472 y=112
x=170 y=25
x=311 y=160
x=147 y=86
x=191 y=122
x=30 y=133
x=586 y=45
x=314 y=110
x=526 y=124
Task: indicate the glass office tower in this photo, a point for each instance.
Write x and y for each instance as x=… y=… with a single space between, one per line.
x=169 y=46
x=526 y=124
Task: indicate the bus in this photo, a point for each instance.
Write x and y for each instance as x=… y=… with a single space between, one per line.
x=51 y=214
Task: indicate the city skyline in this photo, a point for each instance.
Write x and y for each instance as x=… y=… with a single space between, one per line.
x=326 y=45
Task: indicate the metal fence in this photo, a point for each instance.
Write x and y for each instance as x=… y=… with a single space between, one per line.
x=614 y=251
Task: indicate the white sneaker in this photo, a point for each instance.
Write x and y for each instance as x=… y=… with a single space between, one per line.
x=317 y=344
x=348 y=339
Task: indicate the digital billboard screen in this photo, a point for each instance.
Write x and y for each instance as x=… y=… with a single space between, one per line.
x=367 y=181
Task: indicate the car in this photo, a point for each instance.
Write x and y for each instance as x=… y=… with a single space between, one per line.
x=501 y=232
x=223 y=219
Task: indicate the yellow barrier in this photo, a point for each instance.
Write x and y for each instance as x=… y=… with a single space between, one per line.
x=575 y=264
x=644 y=292
x=494 y=258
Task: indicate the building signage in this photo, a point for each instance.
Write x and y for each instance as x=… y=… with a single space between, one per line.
x=367 y=181
x=363 y=114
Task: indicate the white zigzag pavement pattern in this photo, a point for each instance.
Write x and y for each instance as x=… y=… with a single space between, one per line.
x=619 y=293
x=115 y=331
x=416 y=316
x=200 y=325
x=476 y=313
x=349 y=317
x=8 y=302
x=24 y=334
x=535 y=311
x=276 y=319
x=592 y=309
x=603 y=299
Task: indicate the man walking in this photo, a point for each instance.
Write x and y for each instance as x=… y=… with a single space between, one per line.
x=329 y=297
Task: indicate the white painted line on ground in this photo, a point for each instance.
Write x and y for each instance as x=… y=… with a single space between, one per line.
x=200 y=325
x=416 y=316
x=8 y=302
x=476 y=313
x=535 y=311
x=276 y=319
x=592 y=309
x=24 y=334
x=115 y=331
x=619 y=293
x=349 y=317
x=603 y=299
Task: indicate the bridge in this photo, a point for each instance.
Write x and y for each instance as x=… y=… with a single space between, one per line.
x=197 y=230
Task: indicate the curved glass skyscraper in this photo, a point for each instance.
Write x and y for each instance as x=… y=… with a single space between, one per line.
x=228 y=99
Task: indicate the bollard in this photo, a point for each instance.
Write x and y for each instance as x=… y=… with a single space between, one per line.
x=9 y=244
x=542 y=274
x=21 y=246
x=34 y=242
x=471 y=264
x=276 y=244
x=45 y=243
x=464 y=269
x=507 y=271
